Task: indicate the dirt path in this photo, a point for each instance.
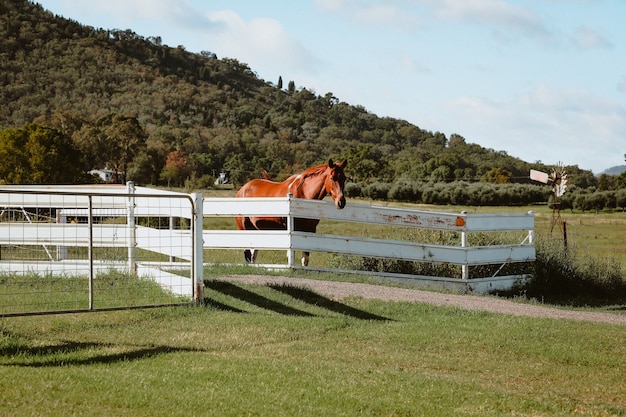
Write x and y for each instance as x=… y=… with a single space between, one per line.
x=340 y=290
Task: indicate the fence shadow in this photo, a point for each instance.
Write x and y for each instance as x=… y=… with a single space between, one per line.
x=313 y=298
x=209 y=302
x=56 y=355
x=242 y=294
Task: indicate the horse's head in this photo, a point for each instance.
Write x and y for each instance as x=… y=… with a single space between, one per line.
x=335 y=181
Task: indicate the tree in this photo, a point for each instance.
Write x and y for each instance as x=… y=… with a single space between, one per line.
x=35 y=154
x=497 y=176
x=177 y=169
x=280 y=82
x=606 y=182
x=113 y=142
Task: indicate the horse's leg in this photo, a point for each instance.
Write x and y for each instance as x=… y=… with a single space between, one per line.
x=305 y=225
x=244 y=223
x=250 y=255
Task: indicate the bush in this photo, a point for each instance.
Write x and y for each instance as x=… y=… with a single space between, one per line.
x=403 y=190
x=377 y=190
x=559 y=275
x=352 y=190
x=563 y=277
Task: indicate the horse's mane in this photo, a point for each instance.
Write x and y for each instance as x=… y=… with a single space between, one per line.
x=309 y=172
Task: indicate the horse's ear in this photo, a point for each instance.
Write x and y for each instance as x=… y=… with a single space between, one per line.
x=343 y=164
x=331 y=163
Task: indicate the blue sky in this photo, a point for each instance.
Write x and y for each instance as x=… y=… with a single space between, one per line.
x=542 y=80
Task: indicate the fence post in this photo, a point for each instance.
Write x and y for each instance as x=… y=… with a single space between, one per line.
x=197 y=264
x=291 y=254
x=132 y=238
x=90 y=249
x=531 y=232
x=464 y=267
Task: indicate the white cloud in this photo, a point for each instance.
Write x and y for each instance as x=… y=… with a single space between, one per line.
x=547 y=124
x=261 y=42
x=586 y=38
x=373 y=14
x=499 y=15
x=491 y=12
x=179 y=13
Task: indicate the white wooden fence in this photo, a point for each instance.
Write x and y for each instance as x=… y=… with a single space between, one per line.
x=184 y=245
x=462 y=223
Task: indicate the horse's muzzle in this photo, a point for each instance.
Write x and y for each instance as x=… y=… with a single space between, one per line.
x=341 y=203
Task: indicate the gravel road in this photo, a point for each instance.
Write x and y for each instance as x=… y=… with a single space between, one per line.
x=340 y=290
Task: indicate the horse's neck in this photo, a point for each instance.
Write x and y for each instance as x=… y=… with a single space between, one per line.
x=311 y=187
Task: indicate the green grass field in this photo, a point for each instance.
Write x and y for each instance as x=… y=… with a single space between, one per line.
x=283 y=351
x=29 y=293
x=261 y=351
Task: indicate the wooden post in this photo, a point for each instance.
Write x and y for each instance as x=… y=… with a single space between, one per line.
x=464 y=267
x=197 y=267
x=565 y=235
x=291 y=254
x=90 y=250
x=132 y=238
x=531 y=233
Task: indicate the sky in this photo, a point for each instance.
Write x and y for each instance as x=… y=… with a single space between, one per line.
x=542 y=80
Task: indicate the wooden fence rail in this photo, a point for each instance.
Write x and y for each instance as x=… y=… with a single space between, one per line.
x=184 y=245
x=462 y=223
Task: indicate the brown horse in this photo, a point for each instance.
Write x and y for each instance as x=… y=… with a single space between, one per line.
x=313 y=183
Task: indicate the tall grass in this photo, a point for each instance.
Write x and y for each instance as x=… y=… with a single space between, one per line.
x=435 y=237
x=567 y=275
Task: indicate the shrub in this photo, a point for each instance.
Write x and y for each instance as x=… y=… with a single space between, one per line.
x=377 y=190
x=562 y=276
x=352 y=190
x=403 y=190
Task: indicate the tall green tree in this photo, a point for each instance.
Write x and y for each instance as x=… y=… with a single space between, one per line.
x=112 y=142
x=35 y=154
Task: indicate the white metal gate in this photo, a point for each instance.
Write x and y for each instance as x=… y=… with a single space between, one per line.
x=84 y=248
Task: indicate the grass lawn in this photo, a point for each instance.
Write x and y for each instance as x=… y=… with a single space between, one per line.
x=260 y=351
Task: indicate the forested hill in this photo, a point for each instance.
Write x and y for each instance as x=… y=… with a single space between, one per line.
x=183 y=116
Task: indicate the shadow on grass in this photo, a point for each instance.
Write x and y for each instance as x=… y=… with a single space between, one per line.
x=69 y=353
x=242 y=294
x=209 y=302
x=302 y=294
x=315 y=299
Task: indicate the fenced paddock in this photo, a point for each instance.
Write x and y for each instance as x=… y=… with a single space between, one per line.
x=480 y=264
x=82 y=248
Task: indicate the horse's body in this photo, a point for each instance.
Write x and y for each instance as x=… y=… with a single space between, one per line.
x=314 y=183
